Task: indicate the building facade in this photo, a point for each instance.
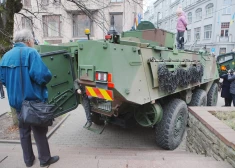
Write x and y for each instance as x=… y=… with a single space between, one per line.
x=60 y=21
x=211 y=23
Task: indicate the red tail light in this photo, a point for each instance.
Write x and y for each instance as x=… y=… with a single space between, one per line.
x=109 y=77
x=101 y=76
x=104 y=77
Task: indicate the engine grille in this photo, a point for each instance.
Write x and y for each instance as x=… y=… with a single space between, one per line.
x=106 y=106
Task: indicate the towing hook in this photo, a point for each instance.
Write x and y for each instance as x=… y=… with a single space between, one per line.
x=115 y=113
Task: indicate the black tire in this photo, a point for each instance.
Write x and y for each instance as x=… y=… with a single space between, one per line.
x=199 y=98
x=212 y=96
x=170 y=130
x=96 y=118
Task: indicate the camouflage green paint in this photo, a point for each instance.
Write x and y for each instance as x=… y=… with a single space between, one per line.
x=60 y=88
x=134 y=78
x=227 y=60
x=125 y=64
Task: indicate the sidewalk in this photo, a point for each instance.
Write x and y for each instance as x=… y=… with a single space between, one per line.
x=4 y=105
x=71 y=157
x=115 y=148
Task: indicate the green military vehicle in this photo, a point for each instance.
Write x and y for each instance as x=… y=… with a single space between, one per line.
x=137 y=76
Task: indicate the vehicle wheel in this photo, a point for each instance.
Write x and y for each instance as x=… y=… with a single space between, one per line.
x=96 y=118
x=199 y=98
x=170 y=130
x=212 y=95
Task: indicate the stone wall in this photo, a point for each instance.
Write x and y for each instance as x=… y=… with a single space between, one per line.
x=202 y=140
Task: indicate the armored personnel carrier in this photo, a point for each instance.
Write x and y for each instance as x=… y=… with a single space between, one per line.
x=137 y=76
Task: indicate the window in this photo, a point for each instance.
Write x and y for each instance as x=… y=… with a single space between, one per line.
x=189 y=17
x=209 y=9
x=224 y=29
x=80 y=23
x=225 y=58
x=197 y=33
x=27 y=3
x=227 y=6
x=183 y=4
x=168 y=25
x=207 y=31
x=188 y=2
x=27 y=22
x=199 y=14
x=118 y=21
x=166 y=13
x=116 y=0
x=51 y=25
x=171 y=23
x=160 y=15
x=222 y=50
x=160 y=6
x=188 y=35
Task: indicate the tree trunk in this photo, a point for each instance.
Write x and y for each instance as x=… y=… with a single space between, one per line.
x=7 y=10
x=14 y=117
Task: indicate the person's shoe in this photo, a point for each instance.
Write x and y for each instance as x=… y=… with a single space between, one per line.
x=30 y=164
x=88 y=124
x=50 y=161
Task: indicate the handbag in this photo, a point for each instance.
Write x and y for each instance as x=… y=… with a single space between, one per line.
x=34 y=112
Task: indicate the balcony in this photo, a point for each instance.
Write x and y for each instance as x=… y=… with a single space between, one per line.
x=223 y=39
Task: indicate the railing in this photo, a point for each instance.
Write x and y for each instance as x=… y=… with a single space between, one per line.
x=223 y=39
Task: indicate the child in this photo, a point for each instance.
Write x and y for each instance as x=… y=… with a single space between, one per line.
x=181 y=27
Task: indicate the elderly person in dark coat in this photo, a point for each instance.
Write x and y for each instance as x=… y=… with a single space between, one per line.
x=225 y=92
x=231 y=78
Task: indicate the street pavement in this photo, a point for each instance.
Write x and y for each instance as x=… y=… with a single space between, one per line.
x=4 y=105
x=115 y=147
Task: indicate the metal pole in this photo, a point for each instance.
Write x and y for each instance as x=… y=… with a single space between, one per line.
x=103 y=18
x=157 y=19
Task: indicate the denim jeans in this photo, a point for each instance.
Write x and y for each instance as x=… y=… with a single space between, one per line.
x=40 y=139
x=180 y=43
x=233 y=96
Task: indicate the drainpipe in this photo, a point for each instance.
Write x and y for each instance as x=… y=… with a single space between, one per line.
x=215 y=36
x=158 y=18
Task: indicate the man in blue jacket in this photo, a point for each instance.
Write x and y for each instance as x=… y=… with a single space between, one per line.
x=35 y=76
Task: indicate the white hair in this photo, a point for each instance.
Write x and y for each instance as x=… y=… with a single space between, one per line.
x=23 y=35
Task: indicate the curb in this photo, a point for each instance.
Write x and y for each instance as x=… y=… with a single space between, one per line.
x=49 y=134
x=2 y=114
x=57 y=126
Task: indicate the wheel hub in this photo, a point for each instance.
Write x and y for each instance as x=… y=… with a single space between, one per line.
x=148 y=115
x=178 y=125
